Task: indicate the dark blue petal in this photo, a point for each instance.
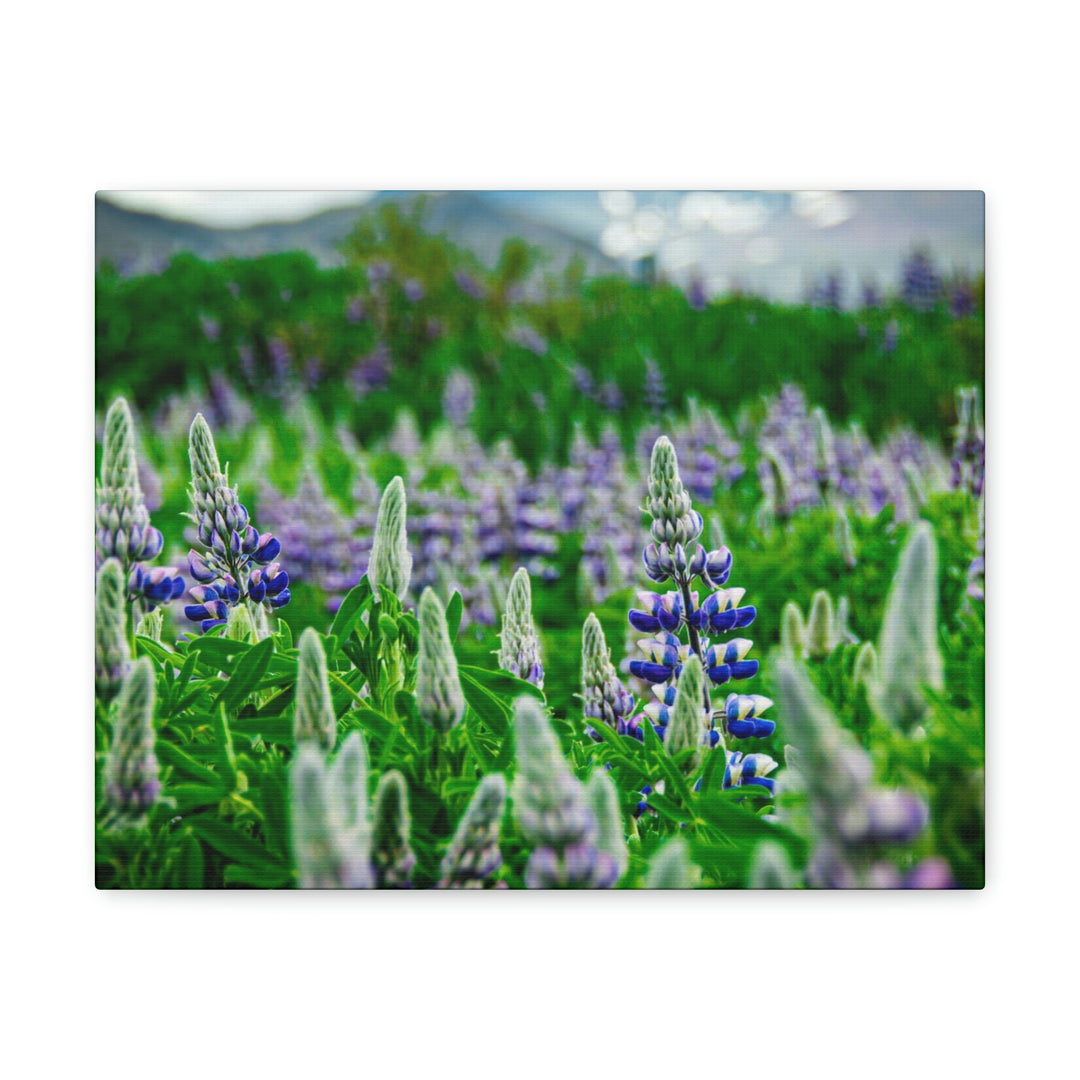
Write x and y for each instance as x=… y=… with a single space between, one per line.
x=654 y=673
x=744 y=669
x=643 y=621
x=281 y=599
x=195 y=612
x=720 y=674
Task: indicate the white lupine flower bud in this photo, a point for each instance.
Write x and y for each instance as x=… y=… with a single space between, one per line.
x=674 y=519
x=240 y=627
x=821 y=629
x=671 y=868
x=865 y=672
x=439 y=698
x=122 y=520
x=150 y=625
x=330 y=830
x=793 y=631
x=130 y=777
x=119 y=465
x=391 y=563
x=909 y=658
x=770 y=868
x=519 y=651
x=605 y=697
x=610 y=836
x=314 y=719
x=112 y=657
x=393 y=858
x=549 y=802
x=473 y=855
x=688 y=724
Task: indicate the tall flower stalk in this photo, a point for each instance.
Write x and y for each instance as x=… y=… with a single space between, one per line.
x=675 y=556
x=124 y=531
x=236 y=565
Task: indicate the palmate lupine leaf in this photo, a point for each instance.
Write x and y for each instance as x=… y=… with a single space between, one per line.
x=314 y=718
x=439 y=698
x=909 y=657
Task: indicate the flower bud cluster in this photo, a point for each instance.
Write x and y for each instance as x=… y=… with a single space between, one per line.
x=329 y=818
x=439 y=697
x=606 y=698
x=131 y=769
x=237 y=563
x=519 y=652
x=124 y=531
x=854 y=820
x=393 y=857
x=473 y=856
x=675 y=523
x=667 y=616
x=554 y=813
x=112 y=657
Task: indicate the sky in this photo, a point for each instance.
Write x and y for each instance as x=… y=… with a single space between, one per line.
x=774 y=243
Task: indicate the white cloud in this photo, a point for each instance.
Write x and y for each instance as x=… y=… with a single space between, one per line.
x=728 y=215
x=823 y=209
x=236 y=209
x=618 y=203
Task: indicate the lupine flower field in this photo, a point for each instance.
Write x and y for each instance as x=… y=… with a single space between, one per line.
x=417 y=574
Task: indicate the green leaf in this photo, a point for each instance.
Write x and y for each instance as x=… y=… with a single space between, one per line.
x=170 y=754
x=454 y=610
x=250 y=669
x=145 y=646
x=279 y=877
x=193 y=796
x=188 y=870
x=502 y=683
x=352 y=607
x=283 y=636
x=226 y=756
x=494 y=711
x=233 y=845
x=221 y=654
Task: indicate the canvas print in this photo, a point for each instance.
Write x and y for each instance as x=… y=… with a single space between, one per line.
x=539 y=540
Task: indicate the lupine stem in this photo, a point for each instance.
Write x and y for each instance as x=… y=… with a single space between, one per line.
x=695 y=640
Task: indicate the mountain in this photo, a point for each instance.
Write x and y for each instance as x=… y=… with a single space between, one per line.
x=479 y=221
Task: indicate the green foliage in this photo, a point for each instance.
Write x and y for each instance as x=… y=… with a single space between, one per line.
x=380 y=747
